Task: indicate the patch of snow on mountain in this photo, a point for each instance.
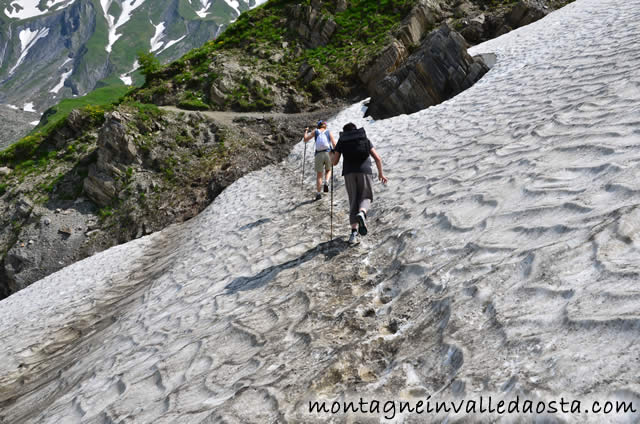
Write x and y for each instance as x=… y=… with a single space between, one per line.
x=128 y=6
x=234 y=4
x=25 y=9
x=205 y=6
x=63 y=78
x=28 y=107
x=14 y=107
x=126 y=77
x=155 y=40
x=171 y=43
x=28 y=39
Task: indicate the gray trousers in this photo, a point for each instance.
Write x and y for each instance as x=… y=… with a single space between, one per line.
x=358 y=187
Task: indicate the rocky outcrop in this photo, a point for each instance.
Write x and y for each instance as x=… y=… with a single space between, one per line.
x=49 y=241
x=314 y=28
x=422 y=18
x=437 y=71
x=480 y=25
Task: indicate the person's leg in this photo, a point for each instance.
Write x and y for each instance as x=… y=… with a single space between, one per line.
x=351 y=185
x=327 y=174
x=365 y=196
x=319 y=181
x=318 y=166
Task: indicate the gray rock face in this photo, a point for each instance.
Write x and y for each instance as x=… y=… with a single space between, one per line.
x=422 y=18
x=15 y=125
x=437 y=71
x=116 y=150
x=50 y=241
x=314 y=28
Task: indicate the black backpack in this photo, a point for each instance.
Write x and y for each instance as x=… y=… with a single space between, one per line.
x=355 y=145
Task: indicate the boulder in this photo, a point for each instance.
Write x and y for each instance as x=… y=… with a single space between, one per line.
x=437 y=71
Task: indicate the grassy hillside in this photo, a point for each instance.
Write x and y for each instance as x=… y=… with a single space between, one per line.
x=262 y=41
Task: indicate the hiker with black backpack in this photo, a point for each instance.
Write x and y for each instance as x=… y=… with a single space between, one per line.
x=325 y=143
x=356 y=148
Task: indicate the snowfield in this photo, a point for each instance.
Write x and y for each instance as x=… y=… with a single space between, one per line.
x=502 y=261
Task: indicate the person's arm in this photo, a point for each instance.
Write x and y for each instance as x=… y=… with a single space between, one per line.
x=307 y=135
x=333 y=142
x=335 y=157
x=378 y=160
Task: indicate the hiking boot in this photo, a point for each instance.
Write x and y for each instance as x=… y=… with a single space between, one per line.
x=353 y=238
x=318 y=196
x=326 y=187
x=362 y=223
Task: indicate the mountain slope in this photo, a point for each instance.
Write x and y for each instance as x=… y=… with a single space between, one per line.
x=68 y=48
x=501 y=260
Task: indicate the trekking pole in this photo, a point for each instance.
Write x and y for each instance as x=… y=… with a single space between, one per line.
x=331 y=236
x=304 y=161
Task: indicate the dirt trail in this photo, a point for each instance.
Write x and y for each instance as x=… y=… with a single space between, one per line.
x=227 y=117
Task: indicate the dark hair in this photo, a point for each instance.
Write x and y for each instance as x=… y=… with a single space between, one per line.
x=349 y=127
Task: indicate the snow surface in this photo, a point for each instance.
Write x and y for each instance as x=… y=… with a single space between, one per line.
x=28 y=107
x=28 y=39
x=502 y=258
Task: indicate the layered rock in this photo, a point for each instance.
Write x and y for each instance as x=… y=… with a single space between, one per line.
x=314 y=28
x=437 y=71
x=420 y=20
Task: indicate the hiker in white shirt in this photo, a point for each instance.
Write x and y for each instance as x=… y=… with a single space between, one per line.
x=325 y=143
